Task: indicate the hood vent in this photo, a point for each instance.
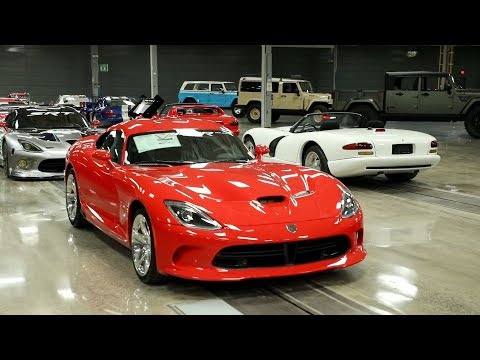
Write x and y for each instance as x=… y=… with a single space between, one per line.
x=271 y=199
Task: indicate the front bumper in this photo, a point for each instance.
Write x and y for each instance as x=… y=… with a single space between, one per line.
x=190 y=253
x=41 y=165
x=371 y=165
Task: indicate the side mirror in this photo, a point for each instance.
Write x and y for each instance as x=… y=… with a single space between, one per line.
x=95 y=123
x=261 y=150
x=104 y=155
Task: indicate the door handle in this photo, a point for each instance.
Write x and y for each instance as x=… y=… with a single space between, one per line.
x=425 y=94
x=399 y=93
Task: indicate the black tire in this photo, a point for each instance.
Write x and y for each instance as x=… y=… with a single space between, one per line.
x=472 y=122
x=367 y=112
x=151 y=275
x=254 y=113
x=316 y=108
x=6 y=171
x=249 y=143
x=323 y=162
x=189 y=100
x=77 y=219
x=401 y=177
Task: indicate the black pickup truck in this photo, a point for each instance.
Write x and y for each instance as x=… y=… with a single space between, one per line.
x=415 y=95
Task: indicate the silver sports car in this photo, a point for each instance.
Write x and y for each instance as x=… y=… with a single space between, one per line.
x=35 y=140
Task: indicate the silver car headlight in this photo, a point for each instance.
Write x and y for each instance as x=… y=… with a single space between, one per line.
x=191 y=216
x=28 y=146
x=349 y=205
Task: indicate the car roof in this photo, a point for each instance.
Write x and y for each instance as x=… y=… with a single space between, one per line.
x=256 y=78
x=140 y=126
x=37 y=109
x=207 y=81
x=416 y=73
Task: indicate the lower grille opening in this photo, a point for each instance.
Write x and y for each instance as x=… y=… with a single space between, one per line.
x=291 y=253
x=52 y=165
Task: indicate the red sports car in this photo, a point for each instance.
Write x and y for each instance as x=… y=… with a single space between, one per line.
x=200 y=111
x=190 y=201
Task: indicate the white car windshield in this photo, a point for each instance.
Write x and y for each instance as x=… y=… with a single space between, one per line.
x=313 y=122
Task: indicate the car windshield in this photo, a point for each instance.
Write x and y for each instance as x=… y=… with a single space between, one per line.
x=197 y=110
x=313 y=122
x=230 y=87
x=185 y=146
x=306 y=86
x=43 y=119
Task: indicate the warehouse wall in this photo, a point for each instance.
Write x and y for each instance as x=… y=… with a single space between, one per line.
x=314 y=64
x=128 y=70
x=49 y=70
x=364 y=67
x=45 y=71
x=177 y=64
x=467 y=58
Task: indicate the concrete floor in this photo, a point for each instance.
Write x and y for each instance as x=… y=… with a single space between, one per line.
x=422 y=240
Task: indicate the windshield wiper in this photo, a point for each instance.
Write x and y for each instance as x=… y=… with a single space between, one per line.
x=32 y=129
x=73 y=126
x=162 y=162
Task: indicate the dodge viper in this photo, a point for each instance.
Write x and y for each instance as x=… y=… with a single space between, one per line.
x=336 y=143
x=189 y=200
x=35 y=140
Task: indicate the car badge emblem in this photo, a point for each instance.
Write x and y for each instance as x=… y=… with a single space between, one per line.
x=292 y=228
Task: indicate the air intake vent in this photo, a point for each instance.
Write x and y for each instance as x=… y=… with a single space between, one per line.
x=271 y=199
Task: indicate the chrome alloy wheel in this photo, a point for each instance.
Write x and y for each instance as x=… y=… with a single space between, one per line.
x=141 y=245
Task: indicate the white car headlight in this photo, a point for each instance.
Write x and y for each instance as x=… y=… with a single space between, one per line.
x=28 y=146
x=349 y=206
x=191 y=216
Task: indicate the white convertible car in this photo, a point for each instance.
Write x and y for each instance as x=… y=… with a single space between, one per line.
x=335 y=143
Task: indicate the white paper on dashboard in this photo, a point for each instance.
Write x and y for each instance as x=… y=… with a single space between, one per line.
x=156 y=141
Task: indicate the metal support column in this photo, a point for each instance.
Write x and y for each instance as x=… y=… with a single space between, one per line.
x=266 y=120
x=335 y=62
x=153 y=71
x=94 y=64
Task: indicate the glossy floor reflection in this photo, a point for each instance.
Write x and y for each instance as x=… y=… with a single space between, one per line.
x=423 y=257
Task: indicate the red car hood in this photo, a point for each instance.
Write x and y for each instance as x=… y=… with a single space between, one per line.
x=247 y=194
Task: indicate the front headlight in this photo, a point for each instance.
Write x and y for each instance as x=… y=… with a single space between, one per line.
x=349 y=206
x=28 y=146
x=191 y=216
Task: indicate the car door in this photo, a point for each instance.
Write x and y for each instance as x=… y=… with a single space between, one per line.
x=202 y=92
x=289 y=97
x=402 y=96
x=103 y=178
x=217 y=95
x=435 y=96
